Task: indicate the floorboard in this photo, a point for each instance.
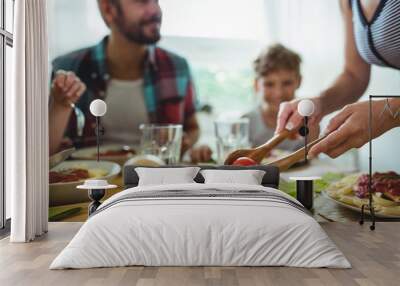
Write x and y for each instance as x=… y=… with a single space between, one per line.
x=375 y=257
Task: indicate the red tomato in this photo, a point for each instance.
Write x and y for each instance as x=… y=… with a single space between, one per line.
x=244 y=161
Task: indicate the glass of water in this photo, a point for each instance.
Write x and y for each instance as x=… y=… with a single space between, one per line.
x=231 y=135
x=163 y=141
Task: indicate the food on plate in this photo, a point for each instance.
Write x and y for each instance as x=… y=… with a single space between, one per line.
x=359 y=202
x=113 y=152
x=353 y=190
x=75 y=174
x=145 y=160
x=394 y=211
x=244 y=161
x=346 y=199
x=388 y=184
x=382 y=201
x=68 y=175
x=97 y=173
x=343 y=187
x=117 y=152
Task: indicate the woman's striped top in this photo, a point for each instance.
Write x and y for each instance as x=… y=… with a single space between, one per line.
x=378 y=41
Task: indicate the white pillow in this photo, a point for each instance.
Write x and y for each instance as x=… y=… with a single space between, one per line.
x=164 y=176
x=247 y=177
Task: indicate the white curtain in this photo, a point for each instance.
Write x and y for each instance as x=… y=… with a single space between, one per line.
x=27 y=119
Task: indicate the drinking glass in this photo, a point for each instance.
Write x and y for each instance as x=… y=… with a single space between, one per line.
x=231 y=135
x=163 y=141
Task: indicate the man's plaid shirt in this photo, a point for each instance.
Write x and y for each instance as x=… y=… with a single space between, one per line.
x=169 y=93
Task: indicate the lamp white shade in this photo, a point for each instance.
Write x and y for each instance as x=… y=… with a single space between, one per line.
x=96 y=184
x=306 y=107
x=98 y=107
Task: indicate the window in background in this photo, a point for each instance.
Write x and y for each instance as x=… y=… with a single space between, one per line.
x=2 y=44
x=315 y=30
x=6 y=42
x=9 y=19
x=220 y=39
x=8 y=83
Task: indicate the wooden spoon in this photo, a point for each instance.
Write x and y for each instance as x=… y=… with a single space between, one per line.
x=286 y=162
x=259 y=153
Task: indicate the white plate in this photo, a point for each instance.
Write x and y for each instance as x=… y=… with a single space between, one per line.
x=357 y=209
x=66 y=193
x=145 y=161
x=90 y=153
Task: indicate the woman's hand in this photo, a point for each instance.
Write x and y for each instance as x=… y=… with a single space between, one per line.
x=66 y=88
x=289 y=118
x=314 y=131
x=350 y=127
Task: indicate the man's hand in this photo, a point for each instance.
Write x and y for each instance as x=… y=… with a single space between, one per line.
x=191 y=133
x=350 y=127
x=200 y=154
x=186 y=143
x=66 y=88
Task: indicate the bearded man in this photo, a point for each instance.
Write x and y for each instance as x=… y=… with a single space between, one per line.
x=140 y=82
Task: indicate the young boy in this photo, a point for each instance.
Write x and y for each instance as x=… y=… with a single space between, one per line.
x=277 y=78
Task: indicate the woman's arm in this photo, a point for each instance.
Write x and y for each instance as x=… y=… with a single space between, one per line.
x=350 y=127
x=353 y=81
x=347 y=88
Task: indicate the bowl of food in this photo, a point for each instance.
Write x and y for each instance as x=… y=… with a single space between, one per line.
x=352 y=192
x=145 y=160
x=114 y=153
x=66 y=176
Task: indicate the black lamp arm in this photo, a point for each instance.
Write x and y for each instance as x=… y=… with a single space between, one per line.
x=99 y=131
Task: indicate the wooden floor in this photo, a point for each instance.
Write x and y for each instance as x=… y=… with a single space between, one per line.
x=375 y=257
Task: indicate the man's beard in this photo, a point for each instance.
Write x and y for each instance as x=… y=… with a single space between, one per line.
x=135 y=32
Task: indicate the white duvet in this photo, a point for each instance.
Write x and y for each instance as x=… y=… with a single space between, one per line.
x=200 y=231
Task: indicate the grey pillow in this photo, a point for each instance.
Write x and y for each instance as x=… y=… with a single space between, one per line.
x=244 y=177
x=166 y=176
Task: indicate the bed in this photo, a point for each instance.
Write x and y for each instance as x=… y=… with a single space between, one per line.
x=201 y=224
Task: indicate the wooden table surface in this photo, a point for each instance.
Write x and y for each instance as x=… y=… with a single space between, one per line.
x=82 y=215
x=324 y=208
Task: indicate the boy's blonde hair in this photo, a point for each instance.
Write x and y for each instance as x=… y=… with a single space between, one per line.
x=276 y=57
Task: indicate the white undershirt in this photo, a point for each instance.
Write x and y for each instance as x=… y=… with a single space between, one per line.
x=126 y=110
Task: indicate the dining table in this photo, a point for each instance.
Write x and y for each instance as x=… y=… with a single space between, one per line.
x=325 y=209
